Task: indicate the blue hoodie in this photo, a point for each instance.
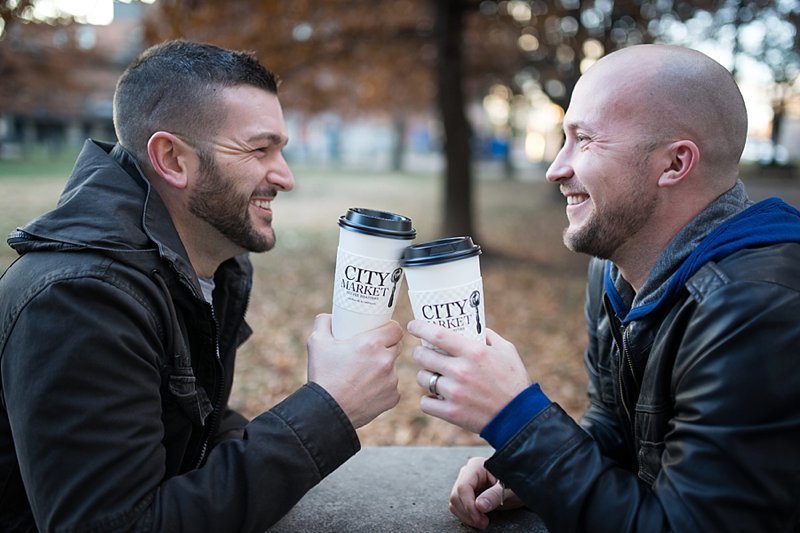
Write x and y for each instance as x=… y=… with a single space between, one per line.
x=771 y=221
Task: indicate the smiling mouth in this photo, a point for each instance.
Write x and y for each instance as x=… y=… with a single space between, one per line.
x=262 y=204
x=576 y=199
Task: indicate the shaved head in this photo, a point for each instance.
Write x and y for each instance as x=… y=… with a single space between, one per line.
x=668 y=93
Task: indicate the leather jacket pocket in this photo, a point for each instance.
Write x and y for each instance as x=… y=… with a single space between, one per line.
x=192 y=399
x=650 y=460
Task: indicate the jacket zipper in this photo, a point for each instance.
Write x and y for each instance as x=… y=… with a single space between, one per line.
x=220 y=384
x=624 y=360
x=626 y=337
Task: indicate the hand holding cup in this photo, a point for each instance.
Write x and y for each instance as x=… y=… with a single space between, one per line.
x=477 y=377
x=358 y=372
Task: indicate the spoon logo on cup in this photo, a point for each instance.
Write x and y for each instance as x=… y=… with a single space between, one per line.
x=396 y=276
x=475 y=301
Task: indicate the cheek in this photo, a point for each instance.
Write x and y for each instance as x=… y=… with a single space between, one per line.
x=603 y=177
x=251 y=172
x=240 y=177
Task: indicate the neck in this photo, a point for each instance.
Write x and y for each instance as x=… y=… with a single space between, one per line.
x=204 y=245
x=206 y=253
x=637 y=257
x=635 y=268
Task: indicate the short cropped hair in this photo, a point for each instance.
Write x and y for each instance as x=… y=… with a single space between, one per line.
x=175 y=86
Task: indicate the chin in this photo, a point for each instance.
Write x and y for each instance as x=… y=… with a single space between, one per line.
x=263 y=244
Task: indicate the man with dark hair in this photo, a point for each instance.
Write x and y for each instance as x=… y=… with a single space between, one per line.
x=120 y=321
x=692 y=310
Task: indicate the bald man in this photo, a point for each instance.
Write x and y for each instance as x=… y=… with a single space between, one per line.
x=692 y=310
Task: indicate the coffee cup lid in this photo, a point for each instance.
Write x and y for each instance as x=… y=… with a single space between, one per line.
x=439 y=251
x=378 y=223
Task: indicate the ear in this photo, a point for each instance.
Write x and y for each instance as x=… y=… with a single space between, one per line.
x=682 y=158
x=169 y=156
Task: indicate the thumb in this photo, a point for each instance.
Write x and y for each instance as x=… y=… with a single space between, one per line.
x=322 y=319
x=490 y=499
x=322 y=322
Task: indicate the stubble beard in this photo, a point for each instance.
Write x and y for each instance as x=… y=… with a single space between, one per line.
x=608 y=229
x=604 y=233
x=216 y=201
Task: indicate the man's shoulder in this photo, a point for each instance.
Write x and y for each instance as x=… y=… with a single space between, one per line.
x=50 y=265
x=35 y=271
x=771 y=265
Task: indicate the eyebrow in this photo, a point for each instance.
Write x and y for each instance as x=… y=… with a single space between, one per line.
x=267 y=136
x=574 y=126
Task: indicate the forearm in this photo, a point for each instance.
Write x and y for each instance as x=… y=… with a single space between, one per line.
x=559 y=472
x=249 y=484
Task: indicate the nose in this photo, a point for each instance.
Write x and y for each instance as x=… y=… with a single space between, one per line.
x=559 y=169
x=280 y=175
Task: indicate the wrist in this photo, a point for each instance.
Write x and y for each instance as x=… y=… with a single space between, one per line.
x=511 y=418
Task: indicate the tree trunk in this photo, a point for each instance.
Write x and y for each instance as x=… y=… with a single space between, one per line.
x=399 y=144
x=449 y=73
x=509 y=172
x=778 y=114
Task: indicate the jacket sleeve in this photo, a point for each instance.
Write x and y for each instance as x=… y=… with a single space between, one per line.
x=231 y=426
x=81 y=384
x=730 y=460
x=252 y=482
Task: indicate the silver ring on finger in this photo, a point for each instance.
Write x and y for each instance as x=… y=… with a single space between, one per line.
x=433 y=382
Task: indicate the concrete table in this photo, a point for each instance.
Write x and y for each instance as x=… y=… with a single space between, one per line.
x=395 y=489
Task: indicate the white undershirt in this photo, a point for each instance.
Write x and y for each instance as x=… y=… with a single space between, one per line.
x=207 y=285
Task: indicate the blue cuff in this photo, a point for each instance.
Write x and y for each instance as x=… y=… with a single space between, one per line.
x=513 y=416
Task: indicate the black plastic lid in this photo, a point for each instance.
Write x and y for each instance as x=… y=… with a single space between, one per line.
x=439 y=251
x=378 y=223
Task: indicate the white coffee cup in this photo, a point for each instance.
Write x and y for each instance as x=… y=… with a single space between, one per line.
x=445 y=285
x=368 y=274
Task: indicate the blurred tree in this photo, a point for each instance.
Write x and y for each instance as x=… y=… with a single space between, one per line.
x=769 y=33
x=561 y=39
x=410 y=56
x=44 y=71
x=393 y=56
x=28 y=58
x=11 y=11
x=407 y=56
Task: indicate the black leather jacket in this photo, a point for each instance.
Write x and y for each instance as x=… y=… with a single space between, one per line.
x=116 y=375
x=694 y=421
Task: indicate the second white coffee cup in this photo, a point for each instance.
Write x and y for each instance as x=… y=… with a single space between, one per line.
x=445 y=285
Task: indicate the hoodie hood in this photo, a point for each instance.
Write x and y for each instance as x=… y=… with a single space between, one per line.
x=771 y=221
x=108 y=205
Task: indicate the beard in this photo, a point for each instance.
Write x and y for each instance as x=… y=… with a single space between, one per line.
x=608 y=228
x=216 y=201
